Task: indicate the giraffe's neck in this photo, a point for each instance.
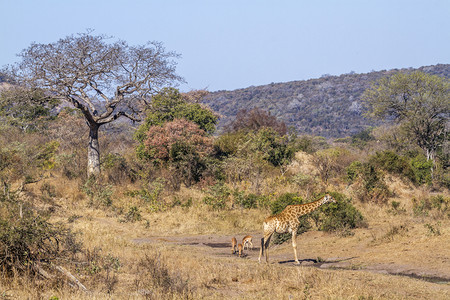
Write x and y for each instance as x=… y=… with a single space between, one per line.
x=303 y=209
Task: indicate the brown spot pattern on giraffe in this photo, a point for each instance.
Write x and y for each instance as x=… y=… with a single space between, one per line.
x=287 y=221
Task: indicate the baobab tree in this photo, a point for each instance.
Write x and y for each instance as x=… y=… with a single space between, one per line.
x=102 y=77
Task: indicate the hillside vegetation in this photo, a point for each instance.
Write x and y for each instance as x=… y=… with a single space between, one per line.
x=329 y=106
x=157 y=222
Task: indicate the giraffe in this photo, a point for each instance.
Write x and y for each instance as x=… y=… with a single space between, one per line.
x=287 y=221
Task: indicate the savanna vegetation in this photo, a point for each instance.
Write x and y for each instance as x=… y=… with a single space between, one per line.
x=170 y=185
x=329 y=106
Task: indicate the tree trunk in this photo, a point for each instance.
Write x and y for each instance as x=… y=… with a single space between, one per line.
x=93 y=165
x=430 y=156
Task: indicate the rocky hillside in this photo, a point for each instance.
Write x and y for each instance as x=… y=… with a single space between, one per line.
x=329 y=106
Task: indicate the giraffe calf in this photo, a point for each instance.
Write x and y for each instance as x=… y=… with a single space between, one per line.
x=241 y=250
x=233 y=245
x=247 y=240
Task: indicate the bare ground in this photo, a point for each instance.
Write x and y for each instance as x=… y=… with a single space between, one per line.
x=351 y=258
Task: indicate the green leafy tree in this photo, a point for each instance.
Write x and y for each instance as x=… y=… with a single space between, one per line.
x=170 y=104
x=273 y=147
x=419 y=102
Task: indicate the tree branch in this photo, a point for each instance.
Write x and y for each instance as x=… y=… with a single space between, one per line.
x=118 y=115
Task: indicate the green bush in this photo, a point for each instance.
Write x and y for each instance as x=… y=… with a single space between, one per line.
x=421 y=207
x=421 y=168
x=275 y=148
x=417 y=169
x=353 y=170
x=217 y=197
x=440 y=203
x=263 y=201
x=331 y=217
x=391 y=162
x=45 y=155
x=169 y=105
x=265 y=143
x=284 y=200
x=251 y=201
x=308 y=143
x=433 y=230
x=361 y=138
x=396 y=208
x=247 y=200
x=339 y=216
x=151 y=194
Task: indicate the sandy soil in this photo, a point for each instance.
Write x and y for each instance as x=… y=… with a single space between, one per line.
x=311 y=254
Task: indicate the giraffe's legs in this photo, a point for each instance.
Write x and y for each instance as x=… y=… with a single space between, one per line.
x=261 y=250
x=264 y=246
x=294 y=245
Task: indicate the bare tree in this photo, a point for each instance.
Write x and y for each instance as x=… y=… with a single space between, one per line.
x=256 y=119
x=104 y=78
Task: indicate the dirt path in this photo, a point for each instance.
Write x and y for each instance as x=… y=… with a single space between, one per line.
x=220 y=246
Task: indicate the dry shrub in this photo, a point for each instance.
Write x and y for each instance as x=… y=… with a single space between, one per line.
x=368 y=183
x=437 y=206
x=28 y=239
x=70 y=131
x=155 y=281
x=24 y=156
x=99 y=194
x=117 y=169
x=394 y=231
x=181 y=146
x=100 y=269
x=332 y=162
x=252 y=169
x=307 y=184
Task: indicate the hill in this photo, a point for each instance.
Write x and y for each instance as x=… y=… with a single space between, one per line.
x=329 y=106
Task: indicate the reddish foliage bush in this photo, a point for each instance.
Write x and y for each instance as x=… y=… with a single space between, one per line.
x=164 y=143
x=181 y=146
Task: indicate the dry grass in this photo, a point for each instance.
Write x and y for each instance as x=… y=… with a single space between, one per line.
x=196 y=276
x=167 y=268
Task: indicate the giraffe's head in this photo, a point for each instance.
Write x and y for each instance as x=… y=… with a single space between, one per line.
x=328 y=198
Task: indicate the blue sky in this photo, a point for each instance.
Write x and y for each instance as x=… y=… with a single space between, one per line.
x=226 y=45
